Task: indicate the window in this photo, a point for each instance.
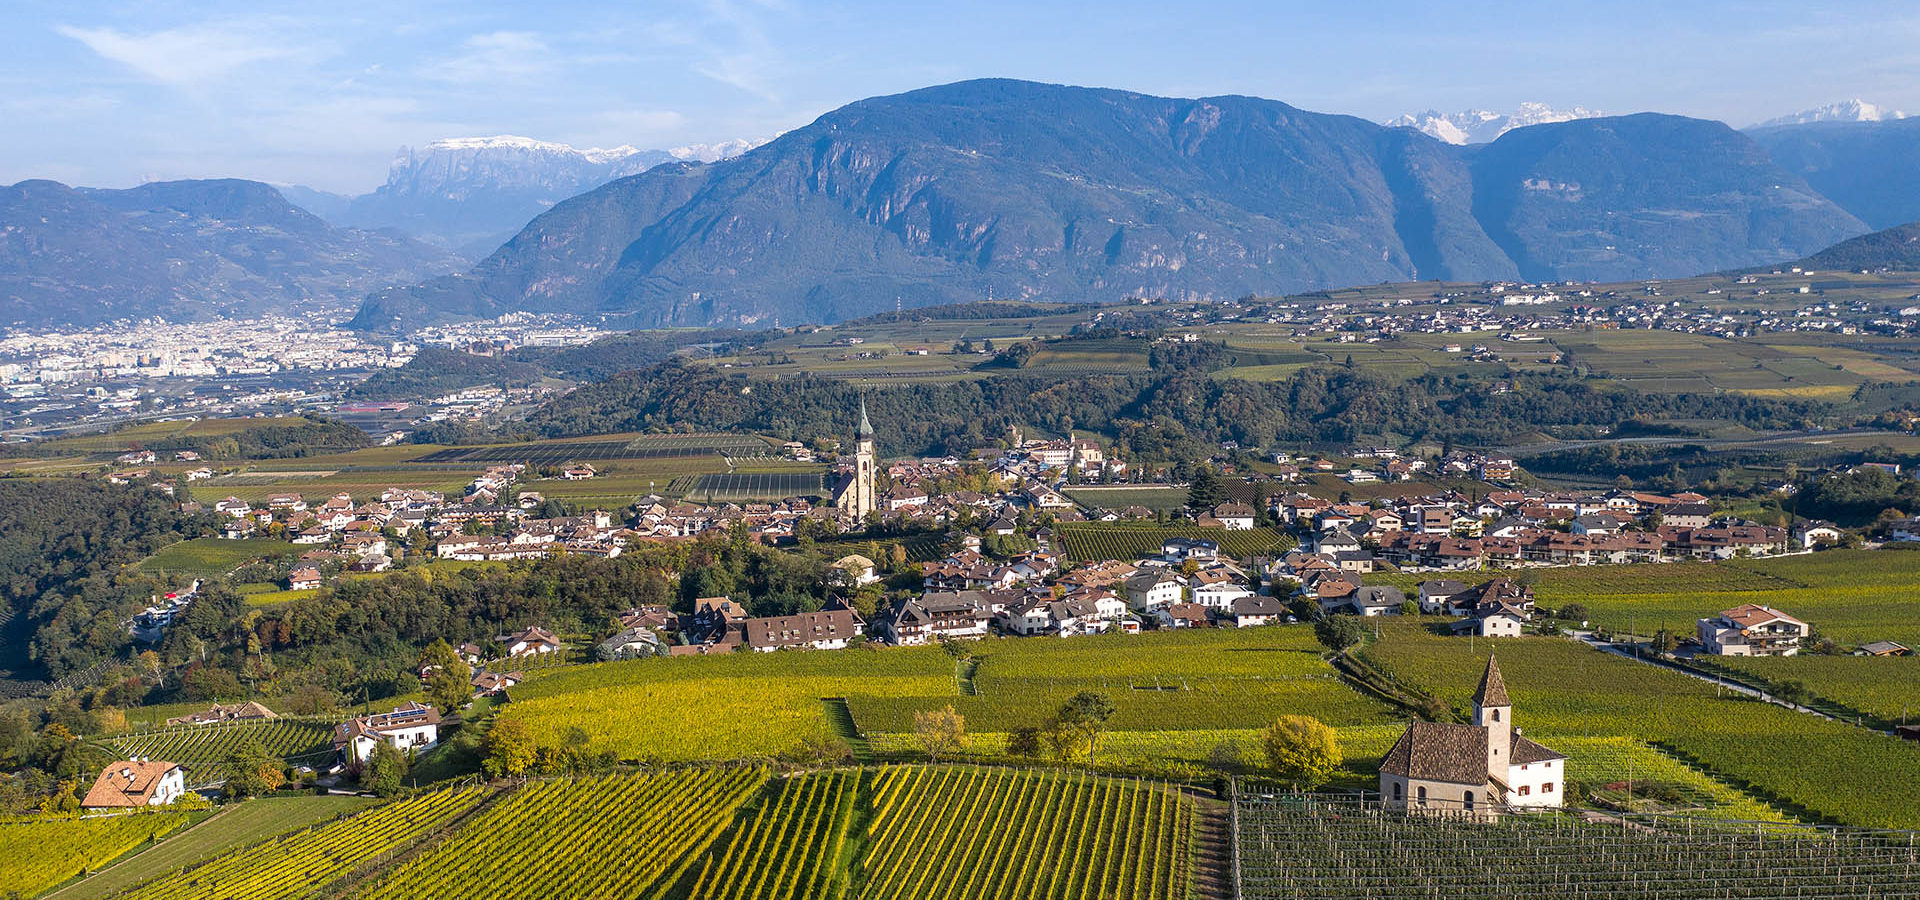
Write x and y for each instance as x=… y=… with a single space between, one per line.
x=1525 y=790
x=1469 y=801
x=1547 y=788
x=1496 y=715
x=1423 y=795
x=1398 y=791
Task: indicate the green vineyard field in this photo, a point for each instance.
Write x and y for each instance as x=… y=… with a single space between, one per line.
x=1085 y=541
x=44 y=852
x=300 y=864
x=617 y=836
x=953 y=833
x=791 y=848
x=203 y=748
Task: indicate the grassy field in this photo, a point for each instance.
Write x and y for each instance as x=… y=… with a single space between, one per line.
x=240 y=825
x=213 y=556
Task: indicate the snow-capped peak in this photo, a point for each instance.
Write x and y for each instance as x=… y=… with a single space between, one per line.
x=516 y=142
x=1844 y=111
x=1478 y=126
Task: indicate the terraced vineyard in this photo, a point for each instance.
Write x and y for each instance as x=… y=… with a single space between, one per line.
x=791 y=847
x=44 y=852
x=1092 y=541
x=1313 y=847
x=953 y=832
x=618 y=836
x=300 y=864
x=202 y=748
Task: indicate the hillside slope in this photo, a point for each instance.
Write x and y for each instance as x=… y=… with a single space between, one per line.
x=183 y=250
x=1013 y=189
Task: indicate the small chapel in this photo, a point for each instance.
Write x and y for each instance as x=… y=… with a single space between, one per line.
x=1477 y=771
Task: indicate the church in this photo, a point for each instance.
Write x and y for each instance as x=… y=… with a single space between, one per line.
x=1476 y=771
x=854 y=495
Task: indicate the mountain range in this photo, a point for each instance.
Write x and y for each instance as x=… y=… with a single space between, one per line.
x=1478 y=126
x=1844 y=111
x=1014 y=189
x=184 y=250
x=471 y=194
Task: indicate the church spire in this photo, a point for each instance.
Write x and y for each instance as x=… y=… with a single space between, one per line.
x=866 y=428
x=1493 y=688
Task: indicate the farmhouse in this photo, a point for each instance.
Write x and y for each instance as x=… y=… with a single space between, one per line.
x=939 y=614
x=224 y=712
x=413 y=728
x=1752 y=630
x=133 y=783
x=534 y=641
x=1476 y=771
x=305 y=578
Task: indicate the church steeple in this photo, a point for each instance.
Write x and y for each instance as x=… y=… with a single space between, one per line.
x=1493 y=711
x=866 y=428
x=1493 y=688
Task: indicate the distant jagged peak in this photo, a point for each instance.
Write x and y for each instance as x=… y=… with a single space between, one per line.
x=1479 y=126
x=1855 y=110
x=516 y=142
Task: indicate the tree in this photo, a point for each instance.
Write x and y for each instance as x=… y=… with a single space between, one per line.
x=1205 y=491
x=251 y=771
x=386 y=771
x=1663 y=642
x=510 y=748
x=1080 y=721
x=1024 y=741
x=940 y=731
x=449 y=678
x=1793 y=692
x=1302 y=750
x=1340 y=631
x=1574 y=612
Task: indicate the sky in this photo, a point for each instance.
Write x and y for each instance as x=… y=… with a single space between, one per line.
x=113 y=94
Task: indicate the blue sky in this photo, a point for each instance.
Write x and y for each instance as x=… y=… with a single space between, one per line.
x=114 y=94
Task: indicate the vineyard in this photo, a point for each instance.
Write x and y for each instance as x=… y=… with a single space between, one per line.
x=44 y=852
x=203 y=748
x=617 y=836
x=1825 y=770
x=1170 y=680
x=1311 y=847
x=1885 y=687
x=789 y=849
x=299 y=864
x=951 y=832
x=1084 y=541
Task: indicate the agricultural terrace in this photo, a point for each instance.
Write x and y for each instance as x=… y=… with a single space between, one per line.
x=1851 y=596
x=207 y=557
x=1886 y=687
x=300 y=864
x=1819 y=769
x=1084 y=541
x=43 y=852
x=792 y=847
x=235 y=826
x=1316 y=848
x=964 y=833
x=617 y=837
x=1163 y=681
x=203 y=749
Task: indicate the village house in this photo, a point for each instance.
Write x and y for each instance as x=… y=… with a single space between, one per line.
x=413 y=728
x=305 y=578
x=828 y=629
x=224 y=712
x=1752 y=630
x=938 y=615
x=135 y=783
x=1477 y=771
x=534 y=641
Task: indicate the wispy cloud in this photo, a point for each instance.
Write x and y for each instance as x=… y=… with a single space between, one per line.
x=188 y=55
x=497 y=56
